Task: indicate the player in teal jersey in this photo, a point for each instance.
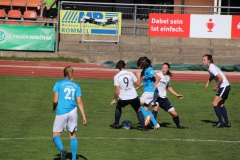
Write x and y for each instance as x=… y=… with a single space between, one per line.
x=67 y=96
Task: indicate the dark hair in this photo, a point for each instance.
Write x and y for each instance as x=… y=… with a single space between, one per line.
x=120 y=65
x=168 y=72
x=68 y=72
x=144 y=62
x=209 y=57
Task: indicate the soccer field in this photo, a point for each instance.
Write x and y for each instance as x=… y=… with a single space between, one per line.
x=26 y=124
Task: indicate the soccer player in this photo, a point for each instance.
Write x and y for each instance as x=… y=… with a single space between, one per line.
x=223 y=88
x=149 y=82
x=50 y=11
x=66 y=94
x=125 y=94
x=162 y=100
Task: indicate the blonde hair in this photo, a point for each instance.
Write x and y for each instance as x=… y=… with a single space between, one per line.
x=68 y=72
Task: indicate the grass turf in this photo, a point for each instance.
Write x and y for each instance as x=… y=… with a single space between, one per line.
x=26 y=124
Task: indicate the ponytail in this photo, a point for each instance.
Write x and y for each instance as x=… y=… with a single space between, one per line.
x=209 y=57
x=68 y=72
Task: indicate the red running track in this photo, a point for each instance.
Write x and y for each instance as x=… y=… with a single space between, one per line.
x=82 y=70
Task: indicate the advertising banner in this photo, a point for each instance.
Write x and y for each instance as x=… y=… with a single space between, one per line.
x=169 y=25
x=34 y=38
x=235 y=26
x=70 y=22
x=210 y=26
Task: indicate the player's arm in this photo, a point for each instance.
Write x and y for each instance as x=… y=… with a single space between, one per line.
x=170 y=89
x=81 y=107
x=138 y=82
x=209 y=80
x=116 y=94
x=55 y=101
x=43 y=2
x=157 y=79
x=220 y=79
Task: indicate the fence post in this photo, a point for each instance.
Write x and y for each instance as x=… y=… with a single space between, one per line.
x=211 y=10
x=135 y=20
x=58 y=27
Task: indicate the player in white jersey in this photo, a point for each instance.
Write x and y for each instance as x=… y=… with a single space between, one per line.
x=223 y=88
x=125 y=94
x=162 y=100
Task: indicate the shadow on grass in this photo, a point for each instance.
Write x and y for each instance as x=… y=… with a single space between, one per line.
x=69 y=156
x=209 y=121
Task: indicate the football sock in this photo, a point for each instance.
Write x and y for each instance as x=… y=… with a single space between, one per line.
x=224 y=114
x=144 y=112
x=141 y=119
x=218 y=113
x=74 y=147
x=155 y=114
x=58 y=143
x=153 y=120
x=118 y=113
x=176 y=121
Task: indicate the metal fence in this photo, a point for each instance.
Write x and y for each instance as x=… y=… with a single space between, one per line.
x=135 y=16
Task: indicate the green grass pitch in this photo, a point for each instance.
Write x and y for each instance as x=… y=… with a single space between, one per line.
x=26 y=123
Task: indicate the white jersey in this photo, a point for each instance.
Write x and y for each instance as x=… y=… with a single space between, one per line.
x=213 y=71
x=162 y=85
x=124 y=79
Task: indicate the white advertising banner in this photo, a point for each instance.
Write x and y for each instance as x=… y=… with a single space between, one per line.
x=210 y=26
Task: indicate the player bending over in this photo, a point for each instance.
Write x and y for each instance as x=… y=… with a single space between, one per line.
x=223 y=88
x=125 y=94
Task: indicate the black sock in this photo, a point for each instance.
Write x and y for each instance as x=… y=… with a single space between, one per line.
x=118 y=113
x=176 y=121
x=224 y=114
x=218 y=113
x=155 y=114
x=141 y=119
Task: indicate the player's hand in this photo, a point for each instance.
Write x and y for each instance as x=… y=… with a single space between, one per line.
x=54 y=108
x=137 y=87
x=206 y=86
x=113 y=102
x=180 y=96
x=215 y=88
x=48 y=8
x=84 y=121
x=155 y=86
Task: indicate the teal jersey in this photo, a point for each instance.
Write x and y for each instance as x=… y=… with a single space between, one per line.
x=148 y=80
x=67 y=92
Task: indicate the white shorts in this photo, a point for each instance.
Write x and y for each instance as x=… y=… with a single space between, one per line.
x=148 y=97
x=68 y=120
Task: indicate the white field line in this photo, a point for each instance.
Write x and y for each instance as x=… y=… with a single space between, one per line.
x=125 y=138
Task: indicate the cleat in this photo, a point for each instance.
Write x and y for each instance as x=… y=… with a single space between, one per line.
x=147 y=120
x=115 y=126
x=228 y=125
x=157 y=127
x=183 y=127
x=63 y=154
x=218 y=125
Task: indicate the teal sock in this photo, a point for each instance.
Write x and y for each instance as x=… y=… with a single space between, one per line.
x=144 y=112
x=74 y=148
x=58 y=143
x=152 y=119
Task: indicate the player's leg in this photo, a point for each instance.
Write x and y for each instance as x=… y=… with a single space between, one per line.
x=224 y=95
x=45 y=14
x=218 y=112
x=135 y=103
x=155 y=111
x=72 y=127
x=118 y=113
x=59 y=126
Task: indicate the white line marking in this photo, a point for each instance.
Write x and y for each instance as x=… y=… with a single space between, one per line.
x=124 y=138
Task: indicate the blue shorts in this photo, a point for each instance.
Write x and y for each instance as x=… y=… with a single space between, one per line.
x=165 y=104
x=223 y=92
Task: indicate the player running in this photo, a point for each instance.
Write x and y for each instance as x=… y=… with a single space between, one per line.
x=126 y=94
x=223 y=88
x=162 y=101
x=149 y=82
x=66 y=94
